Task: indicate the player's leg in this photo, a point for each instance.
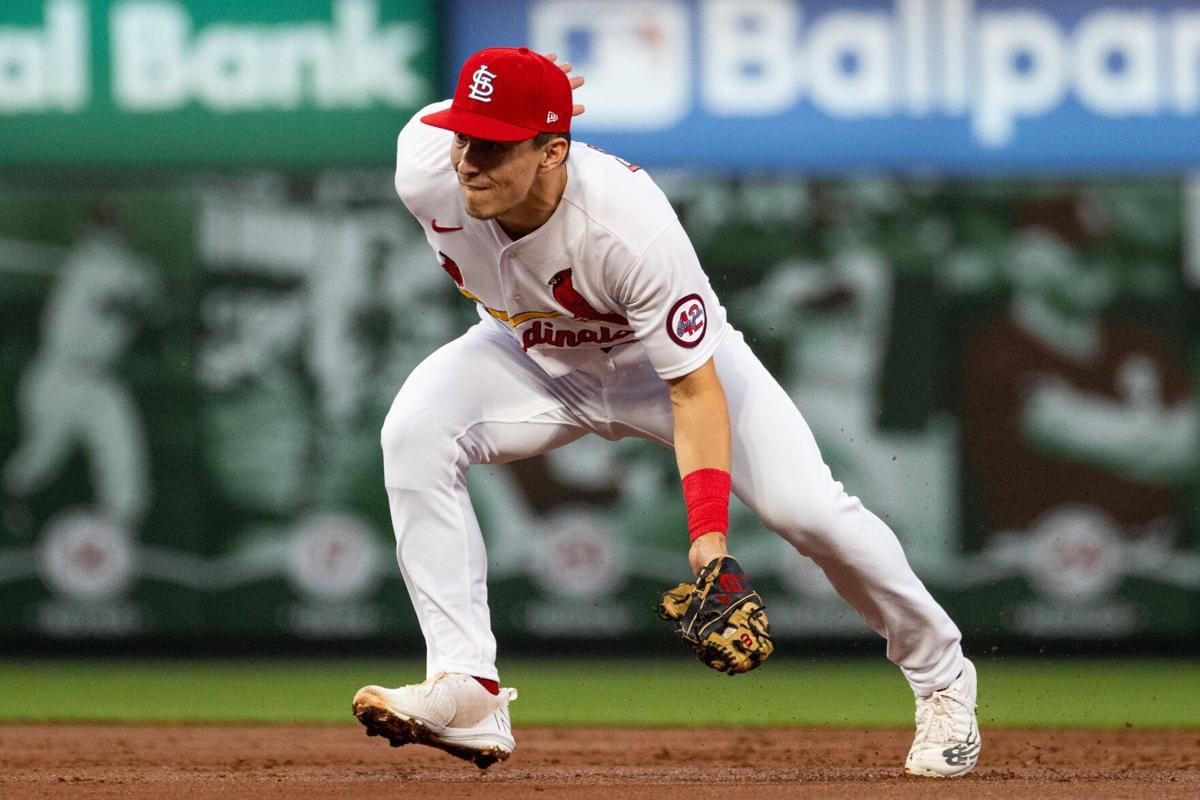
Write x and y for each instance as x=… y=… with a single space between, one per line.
x=118 y=454
x=779 y=473
x=477 y=400
x=49 y=427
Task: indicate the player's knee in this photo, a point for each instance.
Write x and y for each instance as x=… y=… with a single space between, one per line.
x=418 y=448
x=804 y=517
x=793 y=520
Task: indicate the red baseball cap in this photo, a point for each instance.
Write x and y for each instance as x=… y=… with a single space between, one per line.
x=507 y=94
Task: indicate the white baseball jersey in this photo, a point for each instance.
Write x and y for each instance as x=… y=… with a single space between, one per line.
x=611 y=267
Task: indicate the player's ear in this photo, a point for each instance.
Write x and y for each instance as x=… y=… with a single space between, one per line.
x=554 y=153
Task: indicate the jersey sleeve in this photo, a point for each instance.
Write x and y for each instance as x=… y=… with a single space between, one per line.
x=422 y=157
x=670 y=305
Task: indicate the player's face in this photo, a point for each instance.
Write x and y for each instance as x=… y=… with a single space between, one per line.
x=494 y=177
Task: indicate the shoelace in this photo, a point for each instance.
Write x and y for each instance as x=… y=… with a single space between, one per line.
x=936 y=716
x=431 y=683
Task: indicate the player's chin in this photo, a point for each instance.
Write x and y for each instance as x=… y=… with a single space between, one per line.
x=479 y=203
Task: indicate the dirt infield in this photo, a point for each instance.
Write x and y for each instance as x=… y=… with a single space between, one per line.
x=299 y=762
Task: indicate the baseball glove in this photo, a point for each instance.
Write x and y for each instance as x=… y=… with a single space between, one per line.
x=720 y=617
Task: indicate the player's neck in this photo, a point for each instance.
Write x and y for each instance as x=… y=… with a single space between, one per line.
x=538 y=206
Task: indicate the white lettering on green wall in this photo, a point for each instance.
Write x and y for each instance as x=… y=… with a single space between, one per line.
x=161 y=62
x=46 y=69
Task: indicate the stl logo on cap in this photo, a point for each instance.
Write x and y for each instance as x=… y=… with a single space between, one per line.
x=481 y=86
x=535 y=97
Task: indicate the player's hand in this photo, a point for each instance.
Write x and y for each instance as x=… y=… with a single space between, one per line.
x=576 y=81
x=720 y=617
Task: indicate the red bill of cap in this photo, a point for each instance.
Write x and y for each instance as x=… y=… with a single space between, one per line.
x=507 y=94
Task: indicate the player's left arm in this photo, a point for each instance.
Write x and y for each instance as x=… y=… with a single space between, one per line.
x=720 y=616
x=671 y=307
x=702 y=442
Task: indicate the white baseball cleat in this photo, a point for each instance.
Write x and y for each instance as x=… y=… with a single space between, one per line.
x=451 y=712
x=947 y=742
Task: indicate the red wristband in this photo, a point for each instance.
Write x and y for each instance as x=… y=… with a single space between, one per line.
x=706 y=494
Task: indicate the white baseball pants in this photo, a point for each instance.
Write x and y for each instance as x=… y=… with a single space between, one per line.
x=481 y=400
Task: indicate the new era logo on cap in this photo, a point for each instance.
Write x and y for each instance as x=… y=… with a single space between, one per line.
x=507 y=94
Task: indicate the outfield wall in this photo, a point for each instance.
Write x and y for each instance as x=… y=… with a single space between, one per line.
x=210 y=295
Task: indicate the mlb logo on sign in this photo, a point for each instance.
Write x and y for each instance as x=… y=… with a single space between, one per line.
x=616 y=44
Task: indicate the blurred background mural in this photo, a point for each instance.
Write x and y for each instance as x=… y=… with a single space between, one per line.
x=965 y=236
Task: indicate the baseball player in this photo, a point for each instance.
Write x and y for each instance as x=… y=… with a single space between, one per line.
x=596 y=318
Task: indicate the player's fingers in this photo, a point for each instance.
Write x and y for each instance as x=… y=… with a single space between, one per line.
x=576 y=82
x=564 y=66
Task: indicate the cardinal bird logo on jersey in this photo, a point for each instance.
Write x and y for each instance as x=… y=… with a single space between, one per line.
x=451 y=268
x=569 y=298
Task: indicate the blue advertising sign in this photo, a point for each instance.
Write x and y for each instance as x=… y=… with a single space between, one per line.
x=959 y=86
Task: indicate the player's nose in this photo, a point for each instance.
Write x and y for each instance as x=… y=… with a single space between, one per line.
x=465 y=164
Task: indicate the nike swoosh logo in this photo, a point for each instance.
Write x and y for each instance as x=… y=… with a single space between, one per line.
x=439 y=229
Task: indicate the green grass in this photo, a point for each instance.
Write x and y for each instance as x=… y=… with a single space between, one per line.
x=1013 y=693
